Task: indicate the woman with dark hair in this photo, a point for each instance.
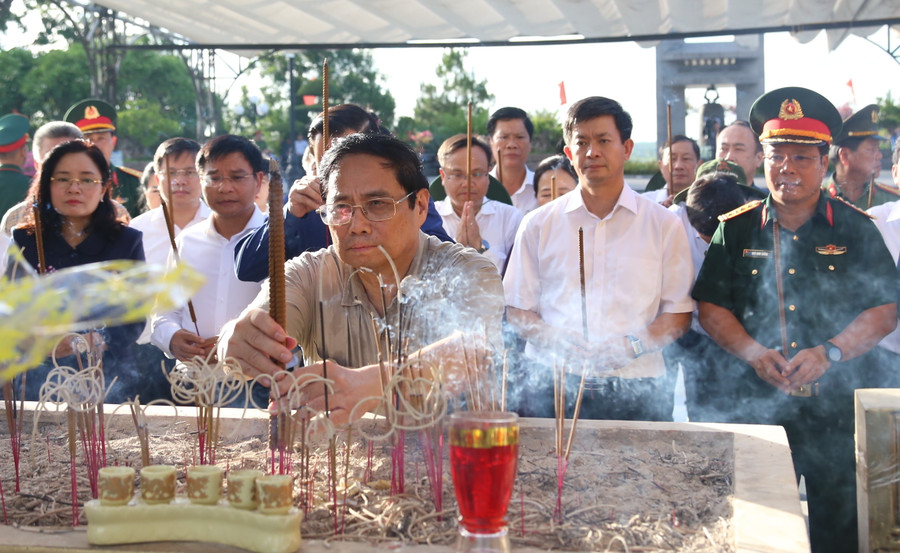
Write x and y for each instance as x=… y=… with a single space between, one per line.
x=79 y=226
x=557 y=166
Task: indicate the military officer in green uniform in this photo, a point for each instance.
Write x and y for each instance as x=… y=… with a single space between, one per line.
x=14 y=183
x=798 y=288
x=857 y=161
x=97 y=120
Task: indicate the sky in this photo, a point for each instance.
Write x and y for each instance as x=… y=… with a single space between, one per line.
x=528 y=76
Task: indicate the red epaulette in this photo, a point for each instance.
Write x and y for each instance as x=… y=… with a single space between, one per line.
x=743 y=209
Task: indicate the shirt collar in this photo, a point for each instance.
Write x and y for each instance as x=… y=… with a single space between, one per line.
x=627 y=200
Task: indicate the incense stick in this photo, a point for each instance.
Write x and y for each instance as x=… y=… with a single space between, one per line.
x=39 y=239
x=277 y=305
x=499 y=167
x=170 y=228
x=669 y=183
x=326 y=135
x=469 y=153
x=584 y=320
x=553 y=185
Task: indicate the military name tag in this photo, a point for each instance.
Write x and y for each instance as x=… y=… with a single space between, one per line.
x=757 y=253
x=831 y=249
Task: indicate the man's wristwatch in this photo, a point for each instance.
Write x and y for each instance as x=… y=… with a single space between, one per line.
x=484 y=247
x=637 y=348
x=832 y=352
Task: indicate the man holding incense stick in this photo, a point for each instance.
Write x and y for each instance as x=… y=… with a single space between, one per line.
x=610 y=311
x=798 y=288
x=382 y=291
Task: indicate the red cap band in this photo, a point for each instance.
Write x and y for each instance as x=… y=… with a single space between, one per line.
x=15 y=145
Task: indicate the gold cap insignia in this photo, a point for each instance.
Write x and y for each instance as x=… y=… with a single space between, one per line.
x=790 y=109
x=91 y=112
x=874 y=115
x=723 y=166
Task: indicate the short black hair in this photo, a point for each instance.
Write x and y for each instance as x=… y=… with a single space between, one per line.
x=680 y=138
x=553 y=163
x=346 y=117
x=397 y=155
x=225 y=144
x=507 y=113
x=593 y=107
x=174 y=147
x=459 y=141
x=712 y=195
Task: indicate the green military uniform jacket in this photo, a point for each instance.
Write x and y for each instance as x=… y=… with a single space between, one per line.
x=882 y=194
x=834 y=267
x=127 y=189
x=14 y=185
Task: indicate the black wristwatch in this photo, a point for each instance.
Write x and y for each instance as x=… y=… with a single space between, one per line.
x=485 y=246
x=832 y=352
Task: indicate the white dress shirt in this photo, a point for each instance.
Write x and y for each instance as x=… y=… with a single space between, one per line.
x=156 y=238
x=698 y=247
x=887 y=219
x=637 y=266
x=223 y=297
x=156 y=241
x=524 y=199
x=497 y=223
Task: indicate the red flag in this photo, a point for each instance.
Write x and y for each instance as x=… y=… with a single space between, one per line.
x=853 y=92
x=562 y=93
x=310 y=99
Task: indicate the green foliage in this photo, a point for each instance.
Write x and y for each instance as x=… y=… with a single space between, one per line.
x=161 y=83
x=548 y=134
x=641 y=167
x=352 y=79
x=889 y=115
x=15 y=65
x=443 y=109
x=144 y=122
x=58 y=79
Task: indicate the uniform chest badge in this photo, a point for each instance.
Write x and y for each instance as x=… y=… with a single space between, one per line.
x=757 y=253
x=831 y=249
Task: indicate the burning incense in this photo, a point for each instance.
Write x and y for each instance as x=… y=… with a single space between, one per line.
x=73 y=437
x=584 y=320
x=468 y=153
x=39 y=239
x=140 y=428
x=326 y=135
x=15 y=443
x=499 y=167
x=553 y=193
x=170 y=228
x=277 y=306
x=671 y=156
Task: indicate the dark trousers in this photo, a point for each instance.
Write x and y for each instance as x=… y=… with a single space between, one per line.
x=530 y=389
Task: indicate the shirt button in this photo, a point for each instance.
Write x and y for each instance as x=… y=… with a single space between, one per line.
x=796 y=238
x=831 y=267
x=753 y=272
x=792 y=307
x=794 y=345
x=791 y=271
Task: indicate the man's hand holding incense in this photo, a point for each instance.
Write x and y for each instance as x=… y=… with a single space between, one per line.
x=186 y=345
x=350 y=391
x=305 y=196
x=253 y=341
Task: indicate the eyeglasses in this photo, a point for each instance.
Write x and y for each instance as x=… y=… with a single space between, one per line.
x=375 y=210
x=461 y=175
x=219 y=180
x=798 y=161
x=66 y=182
x=180 y=174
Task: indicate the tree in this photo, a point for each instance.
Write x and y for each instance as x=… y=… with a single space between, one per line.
x=57 y=80
x=442 y=110
x=15 y=64
x=548 y=134
x=889 y=113
x=352 y=79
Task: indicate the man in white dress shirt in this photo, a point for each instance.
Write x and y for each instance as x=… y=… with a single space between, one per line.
x=487 y=226
x=510 y=130
x=231 y=169
x=637 y=270
x=678 y=168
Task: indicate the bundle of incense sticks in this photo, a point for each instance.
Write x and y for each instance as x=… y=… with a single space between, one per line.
x=469 y=153
x=170 y=229
x=278 y=424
